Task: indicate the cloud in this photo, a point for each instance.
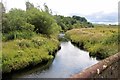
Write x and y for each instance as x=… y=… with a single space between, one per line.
x=93 y=10
x=103 y=17
x=66 y=7
x=100 y=17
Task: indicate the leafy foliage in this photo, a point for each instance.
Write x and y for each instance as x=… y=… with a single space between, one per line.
x=29 y=5
x=68 y=23
x=25 y=38
x=31 y=20
x=44 y=23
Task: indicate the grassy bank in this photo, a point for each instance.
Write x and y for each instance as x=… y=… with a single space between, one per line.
x=101 y=42
x=20 y=53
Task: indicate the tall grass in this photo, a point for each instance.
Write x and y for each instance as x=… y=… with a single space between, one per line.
x=101 y=42
x=18 y=54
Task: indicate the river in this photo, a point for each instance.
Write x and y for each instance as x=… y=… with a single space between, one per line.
x=68 y=61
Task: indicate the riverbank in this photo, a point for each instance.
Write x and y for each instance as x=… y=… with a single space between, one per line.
x=21 y=53
x=66 y=63
x=100 y=42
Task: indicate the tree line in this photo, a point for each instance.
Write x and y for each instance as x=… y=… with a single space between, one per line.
x=19 y=23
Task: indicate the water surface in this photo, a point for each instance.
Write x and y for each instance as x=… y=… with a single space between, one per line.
x=69 y=60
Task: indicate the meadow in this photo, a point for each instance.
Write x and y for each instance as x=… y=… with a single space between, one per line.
x=20 y=53
x=100 y=41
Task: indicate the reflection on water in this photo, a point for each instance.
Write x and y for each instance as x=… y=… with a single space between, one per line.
x=68 y=61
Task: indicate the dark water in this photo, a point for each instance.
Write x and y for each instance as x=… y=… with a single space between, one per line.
x=69 y=60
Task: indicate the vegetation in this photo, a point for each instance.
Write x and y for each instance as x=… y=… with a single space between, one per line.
x=28 y=38
x=101 y=42
x=18 y=54
x=44 y=23
x=68 y=23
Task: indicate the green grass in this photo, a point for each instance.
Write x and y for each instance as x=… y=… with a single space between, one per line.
x=20 y=53
x=101 y=42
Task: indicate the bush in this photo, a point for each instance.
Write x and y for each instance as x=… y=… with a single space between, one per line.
x=44 y=23
x=25 y=44
x=68 y=23
x=19 y=23
x=18 y=35
x=14 y=20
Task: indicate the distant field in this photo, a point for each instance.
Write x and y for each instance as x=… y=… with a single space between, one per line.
x=99 y=41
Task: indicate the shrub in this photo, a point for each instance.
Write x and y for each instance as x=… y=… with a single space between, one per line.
x=18 y=35
x=24 y=44
x=44 y=23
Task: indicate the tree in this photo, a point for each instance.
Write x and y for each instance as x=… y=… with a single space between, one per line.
x=81 y=19
x=68 y=23
x=16 y=19
x=29 y=5
x=44 y=23
x=46 y=9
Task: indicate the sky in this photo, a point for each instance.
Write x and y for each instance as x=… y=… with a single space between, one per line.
x=98 y=11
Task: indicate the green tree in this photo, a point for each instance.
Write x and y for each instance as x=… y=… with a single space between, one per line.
x=46 y=9
x=16 y=19
x=78 y=18
x=44 y=23
x=29 y=5
x=68 y=23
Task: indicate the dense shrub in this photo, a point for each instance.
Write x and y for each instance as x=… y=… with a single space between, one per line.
x=18 y=23
x=68 y=23
x=14 y=20
x=18 y=35
x=44 y=23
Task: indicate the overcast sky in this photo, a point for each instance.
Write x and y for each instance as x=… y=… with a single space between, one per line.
x=93 y=10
